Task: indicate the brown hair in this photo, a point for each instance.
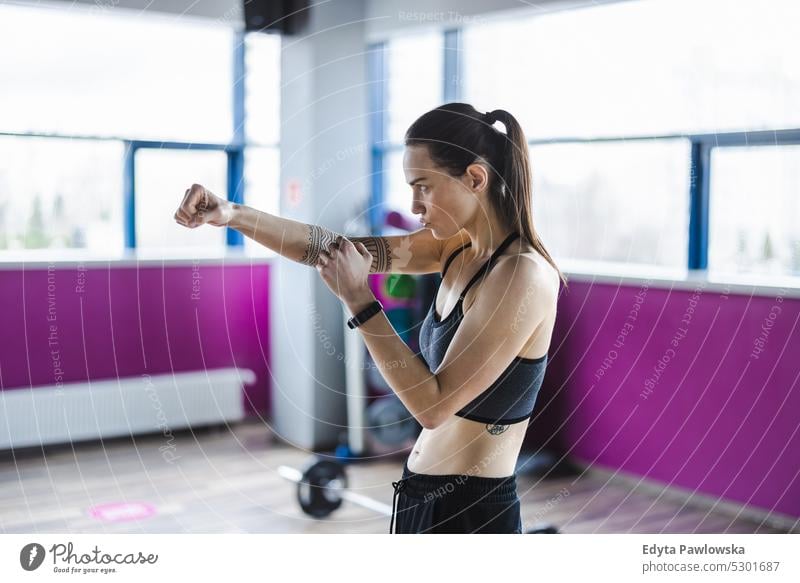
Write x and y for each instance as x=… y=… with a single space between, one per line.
x=456 y=135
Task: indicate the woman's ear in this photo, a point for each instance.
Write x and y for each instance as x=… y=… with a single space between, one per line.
x=477 y=177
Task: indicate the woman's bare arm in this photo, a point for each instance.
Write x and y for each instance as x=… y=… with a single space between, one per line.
x=417 y=252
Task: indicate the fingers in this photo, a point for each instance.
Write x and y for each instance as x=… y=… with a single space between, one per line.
x=182 y=216
x=340 y=245
x=194 y=197
x=324 y=258
x=193 y=207
x=344 y=245
x=329 y=254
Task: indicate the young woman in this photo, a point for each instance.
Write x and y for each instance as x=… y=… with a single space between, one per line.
x=485 y=339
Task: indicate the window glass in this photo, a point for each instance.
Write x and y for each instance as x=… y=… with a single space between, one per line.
x=755 y=207
x=261 y=188
x=415 y=69
x=131 y=75
x=623 y=202
x=640 y=68
x=60 y=194
x=398 y=194
x=262 y=87
x=162 y=177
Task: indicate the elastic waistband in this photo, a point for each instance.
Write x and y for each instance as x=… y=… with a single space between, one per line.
x=427 y=486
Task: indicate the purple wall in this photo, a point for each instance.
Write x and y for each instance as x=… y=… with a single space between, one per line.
x=719 y=415
x=126 y=321
x=693 y=388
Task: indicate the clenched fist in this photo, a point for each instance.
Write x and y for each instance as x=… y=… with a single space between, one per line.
x=201 y=206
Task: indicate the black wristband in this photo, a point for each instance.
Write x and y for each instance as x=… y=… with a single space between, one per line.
x=364 y=314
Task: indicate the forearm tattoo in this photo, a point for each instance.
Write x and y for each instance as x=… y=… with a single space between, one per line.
x=320 y=238
x=496 y=429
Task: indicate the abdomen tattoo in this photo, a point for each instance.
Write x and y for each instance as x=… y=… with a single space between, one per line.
x=496 y=429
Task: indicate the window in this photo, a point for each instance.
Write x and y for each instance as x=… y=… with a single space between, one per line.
x=133 y=78
x=60 y=194
x=623 y=202
x=649 y=67
x=262 y=112
x=414 y=85
x=755 y=206
x=415 y=70
x=262 y=88
x=261 y=188
x=398 y=195
x=162 y=177
x=83 y=72
x=652 y=69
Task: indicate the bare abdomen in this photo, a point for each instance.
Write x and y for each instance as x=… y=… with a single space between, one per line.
x=461 y=446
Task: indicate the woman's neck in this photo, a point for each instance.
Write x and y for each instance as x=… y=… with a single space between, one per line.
x=486 y=231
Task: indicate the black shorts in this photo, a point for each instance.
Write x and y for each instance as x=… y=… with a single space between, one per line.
x=455 y=503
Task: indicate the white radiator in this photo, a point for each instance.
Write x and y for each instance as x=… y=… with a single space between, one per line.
x=126 y=406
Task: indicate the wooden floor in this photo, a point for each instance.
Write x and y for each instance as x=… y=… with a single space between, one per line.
x=225 y=480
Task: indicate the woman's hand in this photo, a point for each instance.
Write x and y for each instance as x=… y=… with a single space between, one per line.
x=201 y=206
x=344 y=268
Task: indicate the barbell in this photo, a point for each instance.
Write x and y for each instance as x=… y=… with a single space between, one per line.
x=322 y=487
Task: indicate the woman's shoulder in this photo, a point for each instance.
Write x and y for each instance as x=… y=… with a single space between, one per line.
x=538 y=270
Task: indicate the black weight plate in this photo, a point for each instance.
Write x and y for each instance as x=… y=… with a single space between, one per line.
x=317 y=491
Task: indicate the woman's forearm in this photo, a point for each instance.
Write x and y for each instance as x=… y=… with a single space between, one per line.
x=406 y=373
x=299 y=241
x=284 y=236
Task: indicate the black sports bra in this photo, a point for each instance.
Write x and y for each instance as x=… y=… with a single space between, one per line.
x=512 y=396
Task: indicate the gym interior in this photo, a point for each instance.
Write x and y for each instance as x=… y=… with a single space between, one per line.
x=157 y=379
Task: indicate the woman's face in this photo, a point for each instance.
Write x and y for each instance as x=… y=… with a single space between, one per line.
x=444 y=203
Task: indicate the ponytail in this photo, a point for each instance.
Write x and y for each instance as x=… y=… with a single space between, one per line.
x=516 y=188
